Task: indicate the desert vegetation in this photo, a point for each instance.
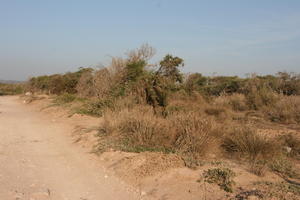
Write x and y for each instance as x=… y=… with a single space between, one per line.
x=11 y=89
x=155 y=107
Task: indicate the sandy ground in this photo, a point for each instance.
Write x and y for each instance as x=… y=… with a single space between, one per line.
x=39 y=161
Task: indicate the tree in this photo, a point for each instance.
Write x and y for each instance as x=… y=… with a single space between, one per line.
x=163 y=81
x=169 y=68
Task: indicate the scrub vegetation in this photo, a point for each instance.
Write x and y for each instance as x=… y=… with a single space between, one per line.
x=155 y=107
x=11 y=89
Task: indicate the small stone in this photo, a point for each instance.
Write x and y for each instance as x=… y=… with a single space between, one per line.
x=288 y=149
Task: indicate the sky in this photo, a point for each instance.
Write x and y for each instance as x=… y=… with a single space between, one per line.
x=224 y=37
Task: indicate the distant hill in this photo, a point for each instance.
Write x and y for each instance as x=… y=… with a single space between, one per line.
x=10 y=81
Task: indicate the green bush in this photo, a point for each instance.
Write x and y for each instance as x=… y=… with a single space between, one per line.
x=223 y=177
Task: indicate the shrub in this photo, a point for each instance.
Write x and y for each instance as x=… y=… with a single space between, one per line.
x=11 y=89
x=144 y=130
x=286 y=109
x=237 y=102
x=57 y=83
x=192 y=134
x=85 y=86
x=223 y=177
x=139 y=129
x=244 y=141
x=221 y=84
x=288 y=83
x=195 y=82
x=258 y=98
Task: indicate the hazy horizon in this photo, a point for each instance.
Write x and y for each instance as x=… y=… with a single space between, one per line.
x=225 y=37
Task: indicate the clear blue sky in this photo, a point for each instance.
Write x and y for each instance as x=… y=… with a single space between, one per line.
x=229 y=37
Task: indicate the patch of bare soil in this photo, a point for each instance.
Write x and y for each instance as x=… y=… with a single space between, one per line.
x=136 y=166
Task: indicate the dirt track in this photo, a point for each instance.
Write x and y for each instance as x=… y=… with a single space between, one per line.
x=38 y=161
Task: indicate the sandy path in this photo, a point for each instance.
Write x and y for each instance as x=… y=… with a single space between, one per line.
x=38 y=161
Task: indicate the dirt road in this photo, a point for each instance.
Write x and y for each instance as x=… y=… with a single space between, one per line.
x=39 y=161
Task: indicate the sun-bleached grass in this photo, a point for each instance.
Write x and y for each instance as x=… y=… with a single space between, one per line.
x=245 y=142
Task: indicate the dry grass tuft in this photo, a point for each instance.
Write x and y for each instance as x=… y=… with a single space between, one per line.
x=246 y=142
x=236 y=102
x=139 y=129
x=292 y=145
x=193 y=133
x=286 y=109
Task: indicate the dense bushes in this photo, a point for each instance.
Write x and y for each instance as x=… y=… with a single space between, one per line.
x=11 y=89
x=155 y=85
x=56 y=84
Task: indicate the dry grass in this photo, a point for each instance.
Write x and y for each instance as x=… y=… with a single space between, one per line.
x=286 y=109
x=11 y=89
x=139 y=129
x=193 y=133
x=284 y=167
x=292 y=145
x=247 y=143
x=236 y=102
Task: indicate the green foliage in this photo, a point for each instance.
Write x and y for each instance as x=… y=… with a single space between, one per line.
x=222 y=84
x=169 y=68
x=133 y=76
x=162 y=82
x=223 y=177
x=135 y=70
x=195 y=82
x=56 y=84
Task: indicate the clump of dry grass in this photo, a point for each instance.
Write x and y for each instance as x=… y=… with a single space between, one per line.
x=192 y=133
x=236 y=102
x=291 y=143
x=142 y=129
x=259 y=167
x=139 y=129
x=284 y=167
x=286 y=109
x=247 y=143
